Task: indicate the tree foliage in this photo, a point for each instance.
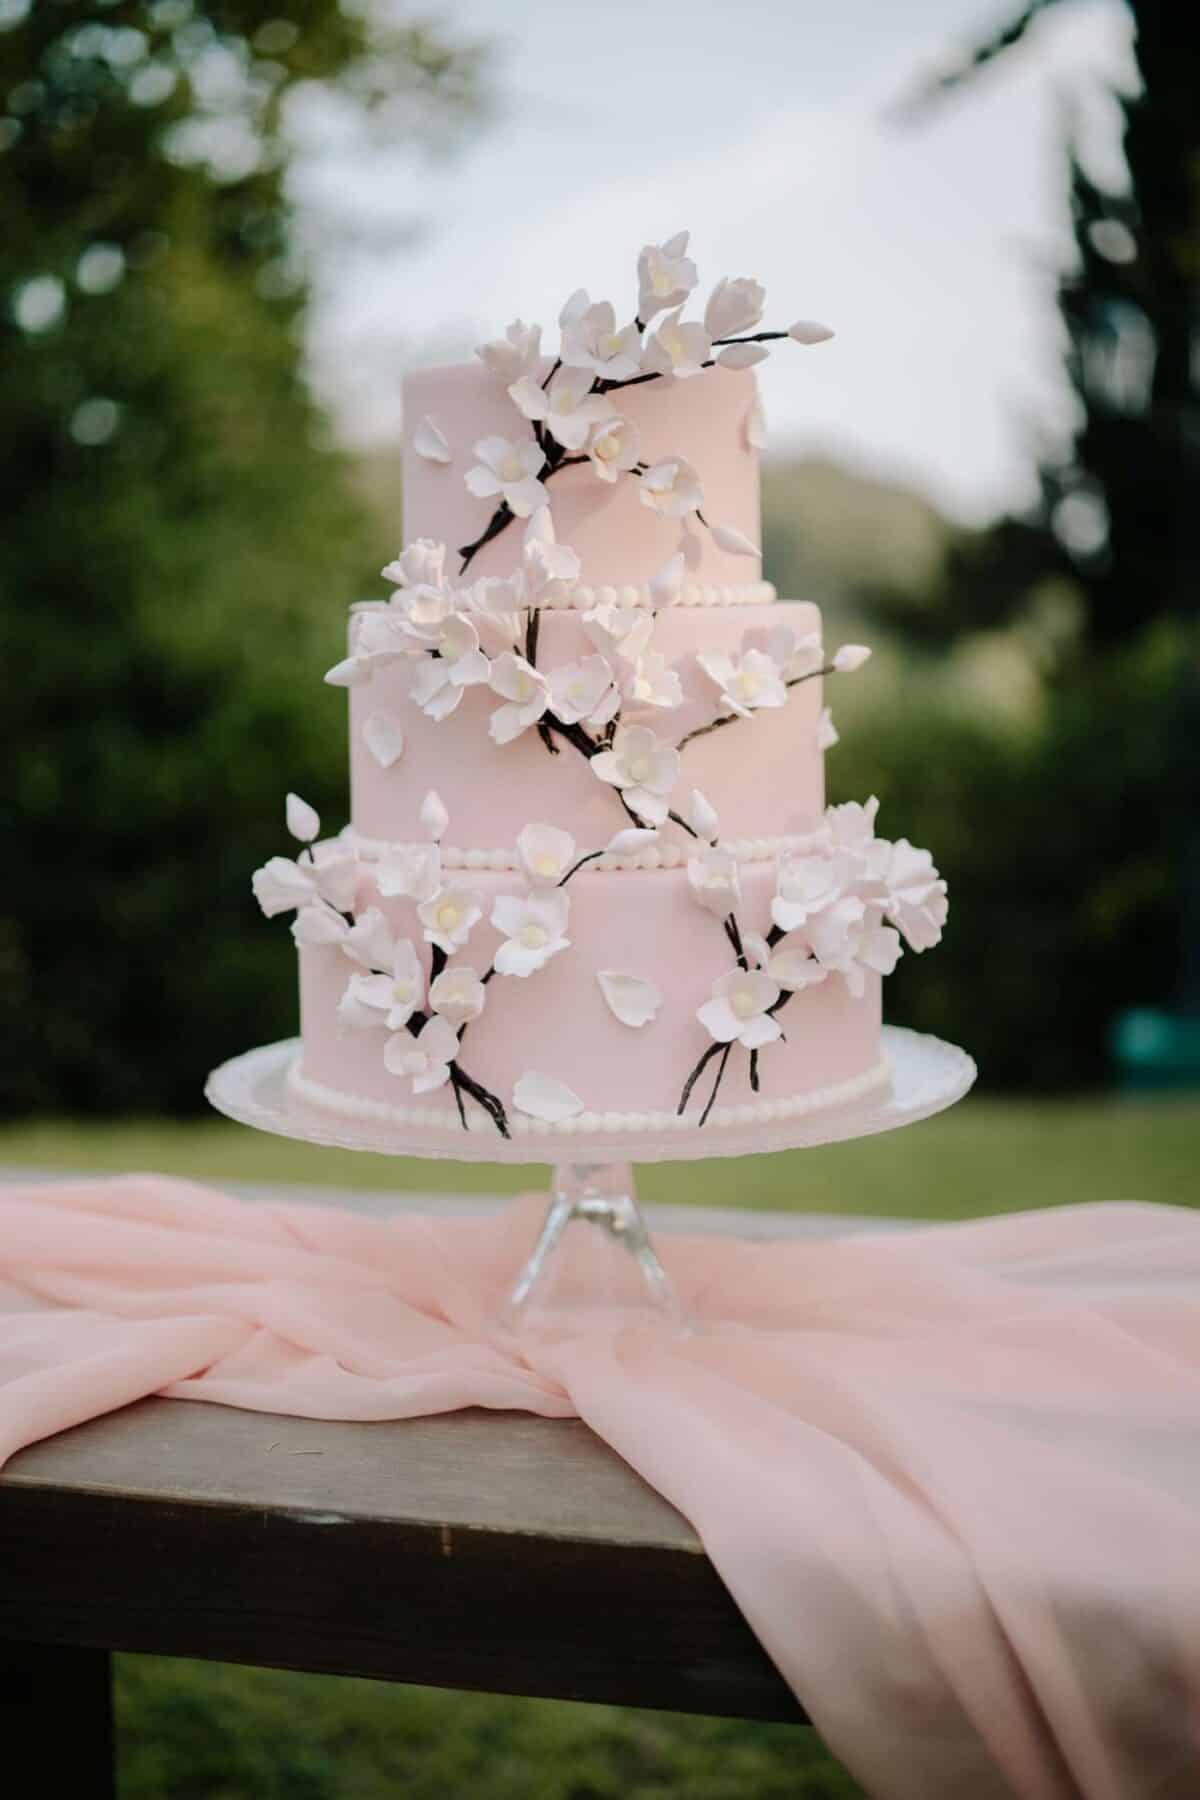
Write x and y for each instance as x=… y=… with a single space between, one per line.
x=178 y=540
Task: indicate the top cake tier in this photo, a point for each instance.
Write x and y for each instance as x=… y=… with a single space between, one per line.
x=621 y=542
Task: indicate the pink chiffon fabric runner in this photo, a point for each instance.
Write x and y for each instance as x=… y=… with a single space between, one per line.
x=951 y=1475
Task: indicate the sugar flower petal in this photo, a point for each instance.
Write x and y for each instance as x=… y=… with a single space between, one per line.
x=384 y=738
x=631 y=998
x=428 y=442
x=541 y=1097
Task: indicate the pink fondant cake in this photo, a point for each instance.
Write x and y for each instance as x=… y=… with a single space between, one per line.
x=589 y=878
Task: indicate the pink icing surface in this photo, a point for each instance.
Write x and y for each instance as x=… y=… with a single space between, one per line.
x=557 y=1022
x=617 y=538
x=764 y=774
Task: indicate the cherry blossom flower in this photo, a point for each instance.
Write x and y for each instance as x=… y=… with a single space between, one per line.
x=590 y=340
x=615 y=447
x=516 y=354
x=510 y=471
x=565 y=406
x=671 y=488
x=619 y=632
x=583 y=691
x=410 y=872
x=734 y=306
x=739 y=1009
x=438 y=682
x=798 y=653
x=534 y=927
x=794 y=966
x=526 y=692
x=426 y=1058
x=715 y=880
x=643 y=768
x=849 y=937
x=666 y=276
x=319 y=923
x=550 y=569
x=545 y=853
x=449 y=916
x=676 y=348
x=328 y=872
x=388 y=999
x=370 y=940
x=916 y=895
x=458 y=995
x=421 y=564
x=805 y=885
x=746 y=683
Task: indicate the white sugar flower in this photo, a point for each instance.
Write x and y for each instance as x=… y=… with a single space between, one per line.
x=302 y=821
x=450 y=915
x=327 y=872
x=793 y=966
x=739 y=1011
x=798 y=653
x=807 y=331
x=849 y=938
x=583 y=690
x=750 y=681
x=643 y=767
x=510 y=471
x=543 y=1098
x=458 y=995
x=827 y=732
x=615 y=446
x=335 y=872
x=319 y=923
x=702 y=816
x=672 y=488
x=734 y=306
x=516 y=354
x=388 y=999
x=565 y=406
x=619 y=632
x=426 y=1058
x=411 y=872
x=550 y=569
x=281 y=885
x=666 y=275
x=526 y=692
x=545 y=853
x=653 y=682
x=630 y=998
x=850 y=658
x=438 y=682
x=370 y=940
x=590 y=340
x=715 y=880
x=421 y=564
x=676 y=348
x=850 y=829
x=805 y=885
x=916 y=895
x=534 y=927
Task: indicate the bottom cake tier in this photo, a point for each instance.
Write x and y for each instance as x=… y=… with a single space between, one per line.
x=554 y=1031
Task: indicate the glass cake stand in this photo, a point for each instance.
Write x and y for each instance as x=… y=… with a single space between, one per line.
x=593 y=1250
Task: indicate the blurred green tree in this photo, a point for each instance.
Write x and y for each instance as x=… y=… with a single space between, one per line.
x=1089 y=837
x=177 y=538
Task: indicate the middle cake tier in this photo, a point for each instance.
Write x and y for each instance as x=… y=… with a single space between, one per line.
x=763 y=773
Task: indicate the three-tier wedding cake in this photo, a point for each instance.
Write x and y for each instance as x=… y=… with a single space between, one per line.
x=590 y=883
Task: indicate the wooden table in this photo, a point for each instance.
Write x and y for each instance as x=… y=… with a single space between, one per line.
x=475 y=1550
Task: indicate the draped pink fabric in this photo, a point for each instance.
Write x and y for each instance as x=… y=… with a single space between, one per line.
x=951 y=1476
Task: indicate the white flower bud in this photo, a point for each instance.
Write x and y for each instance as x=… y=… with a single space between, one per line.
x=808 y=331
x=302 y=821
x=851 y=657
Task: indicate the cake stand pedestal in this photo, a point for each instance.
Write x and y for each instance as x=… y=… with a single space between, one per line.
x=592 y=1193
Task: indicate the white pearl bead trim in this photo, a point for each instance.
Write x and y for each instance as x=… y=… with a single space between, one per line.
x=593 y=1124
x=583 y=598
x=670 y=855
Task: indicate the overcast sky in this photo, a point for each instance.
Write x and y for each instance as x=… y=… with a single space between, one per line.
x=760 y=126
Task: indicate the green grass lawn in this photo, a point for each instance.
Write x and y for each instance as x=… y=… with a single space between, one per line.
x=199 y=1732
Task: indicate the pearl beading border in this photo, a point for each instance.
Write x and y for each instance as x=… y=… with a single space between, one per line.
x=615 y=1124
x=583 y=597
x=656 y=856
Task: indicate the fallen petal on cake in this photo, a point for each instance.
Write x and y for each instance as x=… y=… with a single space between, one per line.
x=429 y=442
x=630 y=998
x=384 y=738
x=543 y=1098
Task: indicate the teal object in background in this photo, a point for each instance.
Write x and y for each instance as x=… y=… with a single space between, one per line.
x=1156 y=1050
